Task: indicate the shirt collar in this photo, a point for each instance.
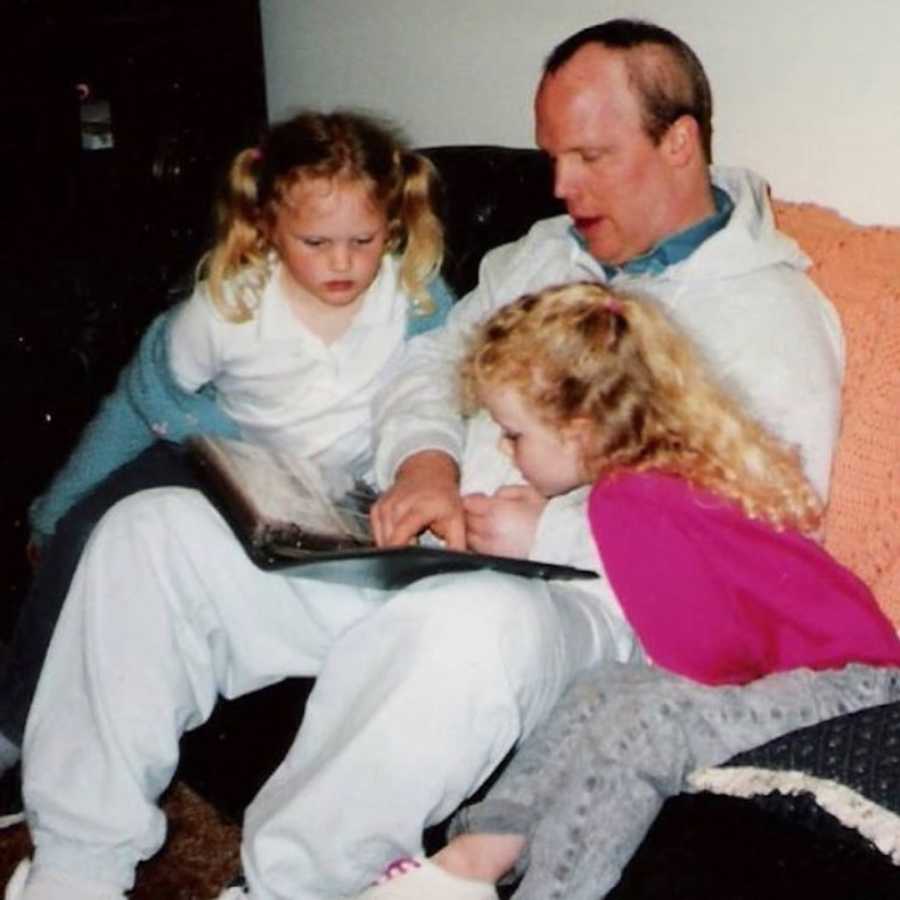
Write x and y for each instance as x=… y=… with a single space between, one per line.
x=674 y=248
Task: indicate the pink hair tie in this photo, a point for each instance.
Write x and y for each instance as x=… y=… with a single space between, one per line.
x=398 y=867
x=256 y=154
x=614 y=307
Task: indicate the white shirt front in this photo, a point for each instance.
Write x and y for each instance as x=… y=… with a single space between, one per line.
x=281 y=383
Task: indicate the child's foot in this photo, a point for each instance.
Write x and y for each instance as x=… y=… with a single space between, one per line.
x=418 y=879
x=482 y=856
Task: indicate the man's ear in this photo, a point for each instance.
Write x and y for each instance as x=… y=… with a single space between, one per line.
x=681 y=142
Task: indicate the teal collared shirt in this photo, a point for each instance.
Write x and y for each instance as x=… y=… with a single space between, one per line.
x=676 y=247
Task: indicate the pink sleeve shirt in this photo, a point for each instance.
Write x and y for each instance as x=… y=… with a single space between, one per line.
x=721 y=598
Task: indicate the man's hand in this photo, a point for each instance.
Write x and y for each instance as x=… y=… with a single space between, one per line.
x=504 y=524
x=425 y=494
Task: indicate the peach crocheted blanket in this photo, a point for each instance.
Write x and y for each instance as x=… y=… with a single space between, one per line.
x=858 y=267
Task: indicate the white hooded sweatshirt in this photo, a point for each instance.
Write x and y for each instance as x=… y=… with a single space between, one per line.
x=743 y=296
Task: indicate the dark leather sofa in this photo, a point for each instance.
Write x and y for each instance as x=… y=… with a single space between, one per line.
x=702 y=846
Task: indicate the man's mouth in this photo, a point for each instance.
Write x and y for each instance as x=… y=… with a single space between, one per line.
x=585 y=223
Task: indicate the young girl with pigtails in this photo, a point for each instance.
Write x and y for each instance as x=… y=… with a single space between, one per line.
x=326 y=261
x=328 y=242
x=704 y=526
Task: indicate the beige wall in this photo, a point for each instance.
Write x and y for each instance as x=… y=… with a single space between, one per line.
x=807 y=92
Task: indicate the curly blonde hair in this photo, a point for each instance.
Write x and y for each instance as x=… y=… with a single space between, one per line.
x=339 y=145
x=583 y=351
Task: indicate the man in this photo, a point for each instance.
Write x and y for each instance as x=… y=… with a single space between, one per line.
x=624 y=111
x=420 y=694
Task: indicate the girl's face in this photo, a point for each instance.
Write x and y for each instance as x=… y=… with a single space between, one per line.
x=549 y=458
x=330 y=237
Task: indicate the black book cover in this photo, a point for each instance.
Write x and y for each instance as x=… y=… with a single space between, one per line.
x=293 y=519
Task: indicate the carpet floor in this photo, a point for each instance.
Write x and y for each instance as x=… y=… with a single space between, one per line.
x=199 y=858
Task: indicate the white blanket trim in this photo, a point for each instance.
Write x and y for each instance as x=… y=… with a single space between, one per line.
x=879 y=825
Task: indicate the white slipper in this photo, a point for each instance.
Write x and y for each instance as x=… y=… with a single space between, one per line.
x=56 y=887
x=11 y=819
x=15 y=887
x=419 y=879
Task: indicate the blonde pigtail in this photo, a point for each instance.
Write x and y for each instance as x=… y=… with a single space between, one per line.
x=237 y=267
x=423 y=245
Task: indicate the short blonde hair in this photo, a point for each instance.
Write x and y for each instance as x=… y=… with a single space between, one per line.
x=583 y=351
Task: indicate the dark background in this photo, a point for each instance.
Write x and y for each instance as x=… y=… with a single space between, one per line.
x=94 y=242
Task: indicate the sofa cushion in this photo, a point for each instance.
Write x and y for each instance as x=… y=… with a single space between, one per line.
x=858 y=267
x=841 y=776
x=844 y=773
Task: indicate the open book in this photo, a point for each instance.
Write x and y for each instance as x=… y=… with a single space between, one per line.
x=293 y=517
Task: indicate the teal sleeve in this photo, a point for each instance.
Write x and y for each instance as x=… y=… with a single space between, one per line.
x=146 y=404
x=443 y=298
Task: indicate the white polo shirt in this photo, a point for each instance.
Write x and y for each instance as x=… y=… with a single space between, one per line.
x=281 y=383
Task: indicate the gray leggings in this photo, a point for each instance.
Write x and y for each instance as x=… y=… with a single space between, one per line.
x=586 y=786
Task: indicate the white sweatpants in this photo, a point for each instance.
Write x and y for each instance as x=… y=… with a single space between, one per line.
x=419 y=696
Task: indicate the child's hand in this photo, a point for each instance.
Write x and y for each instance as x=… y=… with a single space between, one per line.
x=504 y=524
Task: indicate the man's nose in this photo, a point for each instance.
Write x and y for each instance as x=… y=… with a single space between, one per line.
x=564 y=179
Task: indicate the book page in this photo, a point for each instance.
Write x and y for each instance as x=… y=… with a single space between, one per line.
x=289 y=492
